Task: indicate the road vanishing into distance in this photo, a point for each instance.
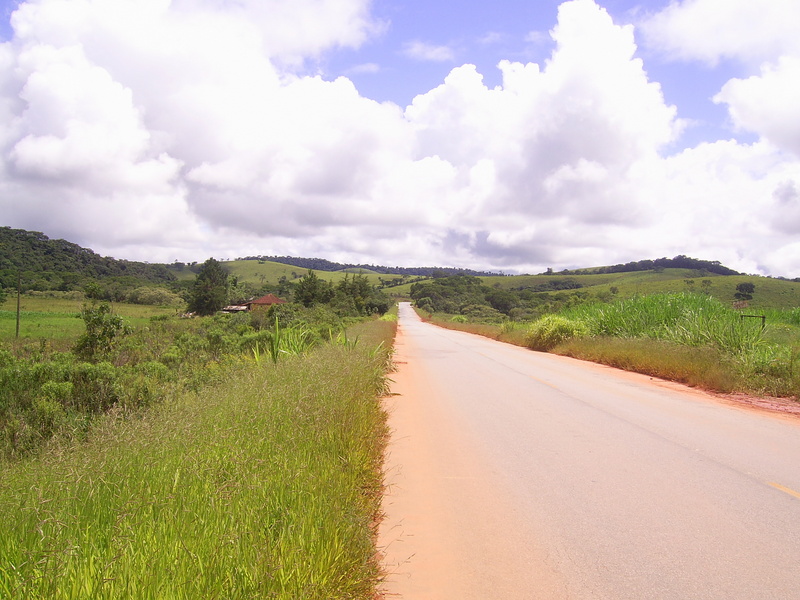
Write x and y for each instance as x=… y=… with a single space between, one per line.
x=518 y=474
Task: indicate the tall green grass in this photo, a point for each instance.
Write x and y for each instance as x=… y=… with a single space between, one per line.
x=692 y=338
x=685 y=318
x=552 y=330
x=688 y=337
x=56 y=387
x=266 y=485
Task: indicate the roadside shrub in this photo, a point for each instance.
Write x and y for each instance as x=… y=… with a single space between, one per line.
x=172 y=356
x=286 y=314
x=552 y=330
x=219 y=343
x=95 y=387
x=143 y=384
x=483 y=313
x=48 y=416
x=102 y=330
x=425 y=304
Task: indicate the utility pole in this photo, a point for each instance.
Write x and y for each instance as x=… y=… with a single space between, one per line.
x=19 y=291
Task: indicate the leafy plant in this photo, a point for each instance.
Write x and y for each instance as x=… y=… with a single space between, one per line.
x=102 y=330
x=552 y=330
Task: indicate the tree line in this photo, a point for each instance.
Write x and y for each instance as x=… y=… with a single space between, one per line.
x=353 y=296
x=321 y=264
x=678 y=262
x=41 y=264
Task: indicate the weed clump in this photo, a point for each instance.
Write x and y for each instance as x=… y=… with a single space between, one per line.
x=552 y=330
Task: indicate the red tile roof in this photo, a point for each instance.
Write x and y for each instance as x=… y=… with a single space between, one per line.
x=267 y=300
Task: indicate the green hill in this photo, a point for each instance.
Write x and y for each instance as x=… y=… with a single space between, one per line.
x=525 y=296
x=60 y=265
x=46 y=264
x=769 y=292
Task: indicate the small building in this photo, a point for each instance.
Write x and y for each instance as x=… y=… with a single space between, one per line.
x=264 y=302
x=235 y=308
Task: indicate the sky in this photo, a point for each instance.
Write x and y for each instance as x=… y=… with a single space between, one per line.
x=511 y=136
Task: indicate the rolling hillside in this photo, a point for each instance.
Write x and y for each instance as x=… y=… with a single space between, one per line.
x=769 y=292
x=61 y=265
x=262 y=272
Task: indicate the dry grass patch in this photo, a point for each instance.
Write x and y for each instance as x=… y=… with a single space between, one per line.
x=704 y=368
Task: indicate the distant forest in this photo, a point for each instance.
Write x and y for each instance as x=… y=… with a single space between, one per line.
x=321 y=264
x=46 y=264
x=679 y=262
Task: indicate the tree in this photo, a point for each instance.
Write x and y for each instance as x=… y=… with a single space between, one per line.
x=312 y=290
x=210 y=291
x=745 y=291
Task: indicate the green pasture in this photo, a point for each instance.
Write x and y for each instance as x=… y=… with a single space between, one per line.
x=769 y=293
x=267 y=272
x=260 y=272
x=58 y=318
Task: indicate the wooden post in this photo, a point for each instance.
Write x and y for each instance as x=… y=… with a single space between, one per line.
x=19 y=288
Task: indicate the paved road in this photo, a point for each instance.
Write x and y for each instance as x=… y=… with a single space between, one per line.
x=515 y=474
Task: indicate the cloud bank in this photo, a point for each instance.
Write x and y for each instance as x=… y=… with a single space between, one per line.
x=158 y=130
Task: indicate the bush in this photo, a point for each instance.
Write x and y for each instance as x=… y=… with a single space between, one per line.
x=154 y=296
x=102 y=330
x=482 y=313
x=552 y=330
x=95 y=387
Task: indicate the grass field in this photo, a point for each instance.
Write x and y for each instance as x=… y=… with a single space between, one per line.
x=261 y=272
x=265 y=486
x=769 y=293
x=59 y=319
x=252 y=479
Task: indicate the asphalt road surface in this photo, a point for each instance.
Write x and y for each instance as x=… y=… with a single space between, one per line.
x=517 y=474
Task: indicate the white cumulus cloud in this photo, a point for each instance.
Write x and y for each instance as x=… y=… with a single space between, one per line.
x=760 y=36
x=157 y=130
x=712 y=30
x=419 y=50
x=768 y=103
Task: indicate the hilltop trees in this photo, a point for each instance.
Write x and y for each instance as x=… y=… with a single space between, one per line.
x=352 y=296
x=210 y=291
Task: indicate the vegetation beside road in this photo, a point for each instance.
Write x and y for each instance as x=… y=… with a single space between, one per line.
x=265 y=484
x=144 y=455
x=688 y=337
x=233 y=456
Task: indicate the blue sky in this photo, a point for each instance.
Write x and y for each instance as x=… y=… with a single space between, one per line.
x=484 y=33
x=588 y=132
